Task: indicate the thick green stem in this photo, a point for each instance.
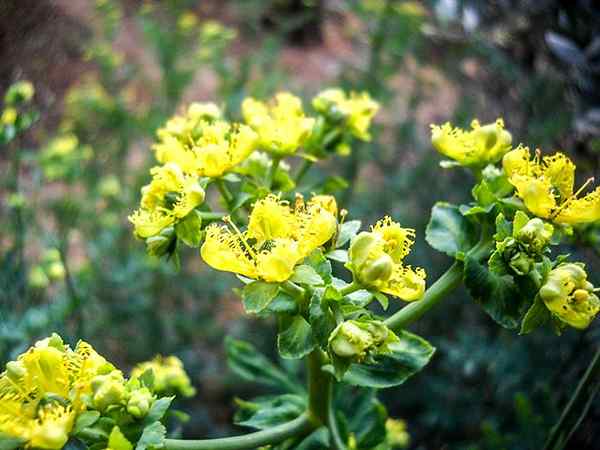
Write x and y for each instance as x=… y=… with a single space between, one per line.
x=449 y=281
x=352 y=287
x=211 y=215
x=336 y=437
x=271 y=436
x=577 y=408
x=318 y=388
x=439 y=290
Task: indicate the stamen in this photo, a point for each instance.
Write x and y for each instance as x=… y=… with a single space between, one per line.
x=573 y=197
x=249 y=249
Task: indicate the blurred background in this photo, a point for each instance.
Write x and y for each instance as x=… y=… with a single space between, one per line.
x=108 y=73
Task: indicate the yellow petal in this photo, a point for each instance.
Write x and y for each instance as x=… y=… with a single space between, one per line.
x=560 y=170
x=581 y=210
x=406 y=283
x=270 y=218
x=150 y=223
x=536 y=193
x=224 y=251
x=277 y=263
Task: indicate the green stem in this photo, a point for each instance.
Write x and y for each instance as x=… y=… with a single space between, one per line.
x=272 y=171
x=293 y=289
x=271 y=436
x=224 y=192
x=304 y=168
x=352 y=287
x=445 y=284
x=319 y=390
x=577 y=408
x=336 y=437
x=211 y=215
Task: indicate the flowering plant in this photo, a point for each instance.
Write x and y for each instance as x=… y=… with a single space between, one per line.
x=226 y=189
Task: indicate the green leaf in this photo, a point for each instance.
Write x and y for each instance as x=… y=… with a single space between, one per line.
x=257 y=295
x=10 y=443
x=305 y=274
x=147 y=378
x=118 y=441
x=158 y=409
x=503 y=228
x=295 y=339
x=483 y=194
x=321 y=264
x=334 y=184
x=246 y=362
x=382 y=299
x=189 y=229
x=366 y=418
x=407 y=356
x=153 y=436
x=321 y=319
x=241 y=200
x=85 y=419
x=519 y=221
x=449 y=231
x=282 y=303
x=317 y=440
x=270 y=411
x=347 y=231
x=498 y=295
x=338 y=255
x=536 y=316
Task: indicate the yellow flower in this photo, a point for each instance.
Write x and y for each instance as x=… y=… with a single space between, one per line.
x=9 y=116
x=187 y=21
x=546 y=186
x=356 y=109
x=376 y=259
x=482 y=145
x=169 y=376
x=209 y=149
x=396 y=433
x=281 y=126
x=278 y=237
x=41 y=392
x=170 y=196
x=569 y=296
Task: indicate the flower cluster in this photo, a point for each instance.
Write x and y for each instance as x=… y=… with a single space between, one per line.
x=51 y=390
x=546 y=186
x=376 y=260
x=49 y=269
x=170 y=197
x=15 y=117
x=482 y=145
x=169 y=376
x=63 y=157
x=278 y=237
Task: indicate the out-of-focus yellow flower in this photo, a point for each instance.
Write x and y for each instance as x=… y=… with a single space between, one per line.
x=9 y=116
x=281 y=125
x=356 y=110
x=187 y=21
x=396 y=433
x=376 y=260
x=19 y=92
x=569 y=296
x=203 y=145
x=169 y=376
x=42 y=391
x=482 y=145
x=278 y=237
x=546 y=186
x=170 y=196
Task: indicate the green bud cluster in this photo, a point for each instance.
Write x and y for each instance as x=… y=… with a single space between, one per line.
x=356 y=340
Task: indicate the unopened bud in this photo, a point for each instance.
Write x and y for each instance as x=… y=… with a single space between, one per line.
x=108 y=390
x=140 y=402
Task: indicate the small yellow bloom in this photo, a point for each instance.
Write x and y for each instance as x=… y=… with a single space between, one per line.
x=169 y=376
x=376 y=259
x=546 y=186
x=569 y=296
x=41 y=392
x=209 y=149
x=9 y=116
x=396 y=433
x=482 y=145
x=187 y=21
x=282 y=126
x=356 y=109
x=278 y=237
x=170 y=196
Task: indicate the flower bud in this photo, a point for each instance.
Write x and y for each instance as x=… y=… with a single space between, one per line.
x=140 y=402
x=361 y=249
x=108 y=390
x=569 y=296
x=15 y=371
x=520 y=263
x=378 y=271
x=56 y=271
x=349 y=340
x=37 y=278
x=536 y=233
